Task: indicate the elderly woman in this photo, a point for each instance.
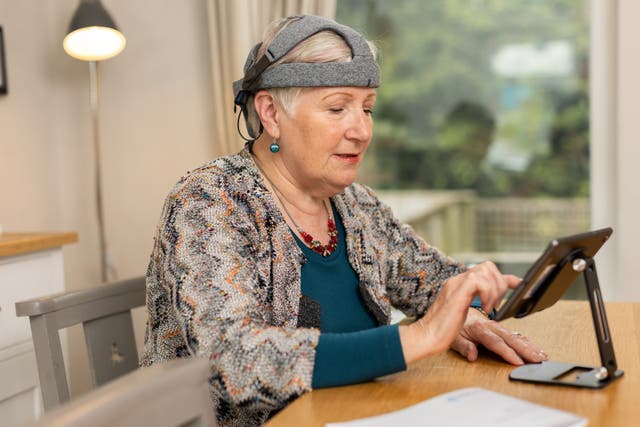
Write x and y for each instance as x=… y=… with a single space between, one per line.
x=278 y=268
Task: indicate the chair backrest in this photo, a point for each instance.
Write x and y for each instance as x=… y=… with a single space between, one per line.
x=105 y=313
x=171 y=394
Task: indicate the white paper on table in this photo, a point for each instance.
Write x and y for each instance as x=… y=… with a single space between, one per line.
x=471 y=406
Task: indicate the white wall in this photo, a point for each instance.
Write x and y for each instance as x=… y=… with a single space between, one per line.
x=628 y=151
x=155 y=122
x=615 y=128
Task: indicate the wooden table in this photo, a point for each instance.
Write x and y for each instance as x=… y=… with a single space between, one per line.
x=565 y=331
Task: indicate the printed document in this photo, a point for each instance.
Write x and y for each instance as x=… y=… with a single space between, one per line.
x=475 y=407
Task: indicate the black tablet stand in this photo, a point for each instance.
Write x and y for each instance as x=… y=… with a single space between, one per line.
x=568 y=374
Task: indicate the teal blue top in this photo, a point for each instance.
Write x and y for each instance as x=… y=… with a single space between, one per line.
x=352 y=347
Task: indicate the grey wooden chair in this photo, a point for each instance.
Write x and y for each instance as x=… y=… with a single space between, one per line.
x=171 y=394
x=105 y=314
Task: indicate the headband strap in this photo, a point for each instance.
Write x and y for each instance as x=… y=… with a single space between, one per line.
x=361 y=71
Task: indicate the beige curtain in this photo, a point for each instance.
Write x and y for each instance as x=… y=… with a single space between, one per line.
x=234 y=27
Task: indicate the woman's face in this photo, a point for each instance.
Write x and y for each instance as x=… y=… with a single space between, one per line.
x=323 y=141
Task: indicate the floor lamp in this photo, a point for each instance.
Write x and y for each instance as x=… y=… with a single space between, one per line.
x=93 y=37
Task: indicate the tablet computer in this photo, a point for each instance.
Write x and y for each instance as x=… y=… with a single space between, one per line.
x=552 y=274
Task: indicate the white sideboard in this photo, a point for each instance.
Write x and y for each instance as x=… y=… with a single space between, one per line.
x=31 y=265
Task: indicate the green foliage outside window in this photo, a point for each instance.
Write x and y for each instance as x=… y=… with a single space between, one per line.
x=447 y=117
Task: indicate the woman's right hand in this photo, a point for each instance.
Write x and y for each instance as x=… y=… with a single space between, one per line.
x=441 y=324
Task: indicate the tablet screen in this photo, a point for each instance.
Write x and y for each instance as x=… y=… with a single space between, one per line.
x=552 y=274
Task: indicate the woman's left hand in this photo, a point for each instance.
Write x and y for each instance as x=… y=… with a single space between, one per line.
x=513 y=347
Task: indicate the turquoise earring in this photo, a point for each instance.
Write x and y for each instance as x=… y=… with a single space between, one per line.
x=274 y=147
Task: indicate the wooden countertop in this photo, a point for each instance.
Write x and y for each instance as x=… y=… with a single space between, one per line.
x=22 y=243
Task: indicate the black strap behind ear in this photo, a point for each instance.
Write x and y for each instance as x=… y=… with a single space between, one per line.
x=241 y=100
x=247 y=139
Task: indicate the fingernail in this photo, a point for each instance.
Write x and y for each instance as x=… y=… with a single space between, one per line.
x=543 y=355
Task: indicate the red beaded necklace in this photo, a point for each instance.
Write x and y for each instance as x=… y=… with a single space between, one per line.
x=308 y=239
x=315 y=245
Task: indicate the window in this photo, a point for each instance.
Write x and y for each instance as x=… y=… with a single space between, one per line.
x=484 y=101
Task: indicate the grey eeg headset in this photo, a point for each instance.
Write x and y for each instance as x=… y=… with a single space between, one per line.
x=361 y=71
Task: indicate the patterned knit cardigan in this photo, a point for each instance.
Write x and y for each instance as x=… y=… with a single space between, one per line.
x=224 y=283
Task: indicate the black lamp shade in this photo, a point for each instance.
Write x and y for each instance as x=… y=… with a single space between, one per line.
x=91 y=13
x=93 y=34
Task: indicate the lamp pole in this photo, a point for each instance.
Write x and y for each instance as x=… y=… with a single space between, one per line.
x=93 y=36
x=94 y=81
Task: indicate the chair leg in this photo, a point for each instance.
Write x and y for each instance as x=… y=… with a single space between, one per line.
x=50 y=361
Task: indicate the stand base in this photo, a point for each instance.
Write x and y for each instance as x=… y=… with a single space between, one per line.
x=566 y=374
